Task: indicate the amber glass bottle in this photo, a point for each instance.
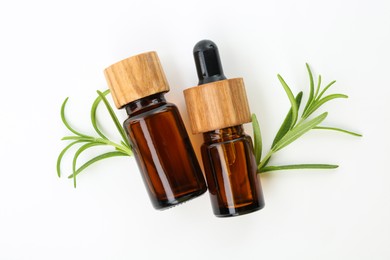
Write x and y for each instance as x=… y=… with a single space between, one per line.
x=158 y=137
x=218 y=107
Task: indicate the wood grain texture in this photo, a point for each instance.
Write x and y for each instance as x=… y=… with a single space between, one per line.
x=136 y=77
x=217 y=105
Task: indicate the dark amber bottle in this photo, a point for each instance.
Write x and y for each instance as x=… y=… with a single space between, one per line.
x=218 y=107
x=158 y=137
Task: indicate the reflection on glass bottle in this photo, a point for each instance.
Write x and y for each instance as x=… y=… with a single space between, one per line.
x=231 y=172
x=163 y=151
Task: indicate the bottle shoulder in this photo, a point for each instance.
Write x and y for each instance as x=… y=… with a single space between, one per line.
x=242 y=138
x=150 y=112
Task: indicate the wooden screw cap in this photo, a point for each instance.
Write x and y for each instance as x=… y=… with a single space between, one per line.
x=217 y=105
x=136 y=77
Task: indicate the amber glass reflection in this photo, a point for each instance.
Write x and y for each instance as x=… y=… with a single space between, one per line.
x=230 y=169
x=163 y=152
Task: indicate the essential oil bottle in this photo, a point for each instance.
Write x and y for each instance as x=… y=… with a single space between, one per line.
x=156 y=132
x=218 y=107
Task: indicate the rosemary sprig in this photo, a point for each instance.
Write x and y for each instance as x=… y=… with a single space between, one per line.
x=292 y=128
x=87 y=141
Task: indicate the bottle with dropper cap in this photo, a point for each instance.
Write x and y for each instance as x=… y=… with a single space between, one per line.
x=156 y=132
x=218 y=107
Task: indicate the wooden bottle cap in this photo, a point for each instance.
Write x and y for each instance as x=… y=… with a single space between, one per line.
x=136 y=77
x=217 y=105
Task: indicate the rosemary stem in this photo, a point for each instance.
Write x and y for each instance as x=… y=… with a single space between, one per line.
x=265 y=159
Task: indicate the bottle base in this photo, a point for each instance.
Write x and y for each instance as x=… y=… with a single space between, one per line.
x=235 y=212
x=167 y=204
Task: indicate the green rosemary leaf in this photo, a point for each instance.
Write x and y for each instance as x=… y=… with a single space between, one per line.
x=294 y=106
x=79 y=138
x=124 y=144
x=114 y=118
x=287 y=123
x=93 y=114
x=325 y=89
x=311 y=94
x=298 y=131
x=59 y=159
x=320 y=102
x=298 y=166
x=96 y=159
x=258 y=144
x=63 y=118
x=77 y=154
x=318 y=87
x=337 y=129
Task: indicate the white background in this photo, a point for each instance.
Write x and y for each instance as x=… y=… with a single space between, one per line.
x=50 y=50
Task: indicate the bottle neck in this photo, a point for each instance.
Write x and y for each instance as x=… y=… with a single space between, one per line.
x=225 y=134
x=146 y=103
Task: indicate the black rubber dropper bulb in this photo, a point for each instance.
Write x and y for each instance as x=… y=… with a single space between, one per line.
x=207 y=62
